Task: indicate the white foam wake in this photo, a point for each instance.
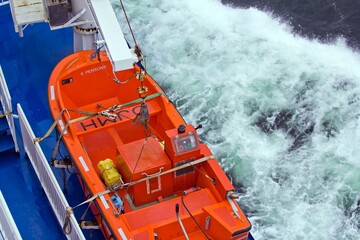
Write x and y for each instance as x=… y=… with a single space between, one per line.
x=281 y=112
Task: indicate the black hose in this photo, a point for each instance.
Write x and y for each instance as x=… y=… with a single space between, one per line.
x=202 y=230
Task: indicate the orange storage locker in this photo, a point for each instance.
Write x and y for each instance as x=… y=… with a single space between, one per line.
x=139 y=159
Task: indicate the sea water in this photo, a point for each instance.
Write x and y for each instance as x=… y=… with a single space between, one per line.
x=279 y=111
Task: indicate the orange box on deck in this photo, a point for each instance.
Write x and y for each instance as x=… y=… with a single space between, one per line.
x=181 y=154
x=140 y=158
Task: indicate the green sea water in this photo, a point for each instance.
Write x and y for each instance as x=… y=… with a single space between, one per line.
x=279 y=111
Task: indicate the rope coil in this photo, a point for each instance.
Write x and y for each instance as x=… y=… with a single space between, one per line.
x=5 y=114
x=67 y=226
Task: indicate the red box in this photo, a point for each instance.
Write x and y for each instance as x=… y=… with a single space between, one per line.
x=139 y=159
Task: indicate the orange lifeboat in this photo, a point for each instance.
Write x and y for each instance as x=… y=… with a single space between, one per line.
x=150 y=176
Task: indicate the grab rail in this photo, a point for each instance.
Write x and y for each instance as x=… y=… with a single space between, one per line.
x=8 y=228
x=48 y=181
x=5 y=100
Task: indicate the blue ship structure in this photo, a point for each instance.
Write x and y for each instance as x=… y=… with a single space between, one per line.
x=27 y=63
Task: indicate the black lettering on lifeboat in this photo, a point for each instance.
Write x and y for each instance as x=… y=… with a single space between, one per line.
x=136 y=110
x=120 y=112
x=88 y=125
x=101 y=121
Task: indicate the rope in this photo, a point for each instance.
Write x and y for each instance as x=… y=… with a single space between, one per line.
x=207 y=176
x=106 y=113
x=139 y=100
x=189 y=164
x=93 y=198
x=137 y=48
x=51 y=128
x=70 y=210
x=67 y=226
x=202 y=230
x=142 y=148
x=124 y=82
x=5 y=114
x=56 y=149
x=65 y=190
x=128 y=22
x=84 y=214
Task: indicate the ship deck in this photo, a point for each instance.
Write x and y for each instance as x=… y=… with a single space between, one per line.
x=27 y=63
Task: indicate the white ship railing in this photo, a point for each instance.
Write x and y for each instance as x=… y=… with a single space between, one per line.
x=2 y=2
x=46 y=177
x=5 y=100
x=8 y=229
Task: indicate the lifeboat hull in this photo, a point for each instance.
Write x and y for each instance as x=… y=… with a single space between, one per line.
x=145 y=166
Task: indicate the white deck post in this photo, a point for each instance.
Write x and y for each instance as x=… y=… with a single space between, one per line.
x=47 y=179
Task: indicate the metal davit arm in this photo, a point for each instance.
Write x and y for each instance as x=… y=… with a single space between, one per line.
x=120 y=55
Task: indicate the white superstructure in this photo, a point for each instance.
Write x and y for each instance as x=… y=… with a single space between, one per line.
x=94 y=22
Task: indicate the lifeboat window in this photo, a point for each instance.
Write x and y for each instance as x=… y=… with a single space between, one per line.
x=185 y=143
x=186 y=170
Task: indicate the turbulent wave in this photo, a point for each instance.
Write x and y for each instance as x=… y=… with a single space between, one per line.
x=326 y=20
x=279 y=111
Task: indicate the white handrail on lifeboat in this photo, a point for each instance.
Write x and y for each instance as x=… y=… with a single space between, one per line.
x=5 y=101
x=47 y=179
x=8 y=228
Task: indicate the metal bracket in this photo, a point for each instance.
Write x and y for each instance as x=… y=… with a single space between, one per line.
x=71 y=22
x=62 y=164
x=230 y=197
x=88 y=225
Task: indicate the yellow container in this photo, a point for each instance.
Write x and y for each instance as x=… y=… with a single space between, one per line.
x=108 y=172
